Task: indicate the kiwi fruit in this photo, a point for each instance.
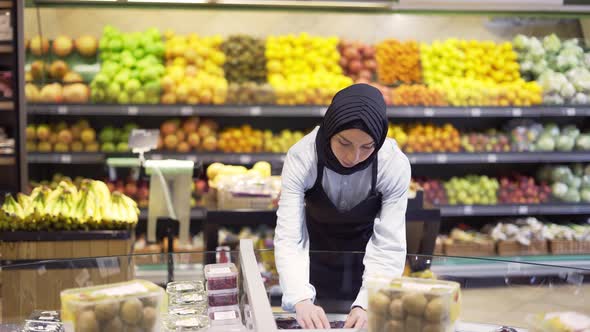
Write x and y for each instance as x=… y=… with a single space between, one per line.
x=379 y=303
x=132 y=311
x=149 y=318
x=107 y=310
x=114 y=325
x=413 y=323
x=376 y=322
x=150 y=301
x=434 y=311
x=394 y=326
x=433 y=328
x=396 y=309
x=414 y=303
x=87 y=322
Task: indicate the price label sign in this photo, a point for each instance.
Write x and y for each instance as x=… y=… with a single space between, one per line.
x=441 y=158
x=428 y=112
x=570 y=111
x=492 y=158
x=468 y=210
x=523 y=209
x=321 y=111
x=156 y=157
x=245 y=159
x=186 y=111
x=413 y=160
x=62 y=110
x=516 y=112
x=191 y=158
x=255 y=111
x=65 y=159
x=132 y=110
x=475 y=112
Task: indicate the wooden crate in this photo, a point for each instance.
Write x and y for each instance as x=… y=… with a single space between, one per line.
x=562 y=247
x=513 y=248
x=470 y=249
x=39 y=265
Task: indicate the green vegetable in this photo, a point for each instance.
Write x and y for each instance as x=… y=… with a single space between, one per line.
x=559 y=190
x=583 y=142
x=572 y=196
x=585 y=195
x=545 y=143
x=565 y=143
x=561 y=174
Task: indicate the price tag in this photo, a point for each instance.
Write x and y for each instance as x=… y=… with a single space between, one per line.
x=570 y=111
x=191 y=158
x=475 y=112
x=62 y=110
x=441 y=158
x=428 y=112
x=321 y=111
x=282 y=158
x=245 y=159
x=255 y=111
x=65 y=158
x=492 y=158
x=132 y=110
x=186 y=111
x=157 y=157
x=468 y=210
x=516 y=112
x=523 y=209
x=413 y=160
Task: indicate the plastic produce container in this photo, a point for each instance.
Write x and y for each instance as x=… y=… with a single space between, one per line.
x=412 y=304
x=223 y=298
x=229 y=315
x=112 y=307
x=37 y=326
x=221 y=276
x=45 y=316
x=186 y=323
x=558 y=322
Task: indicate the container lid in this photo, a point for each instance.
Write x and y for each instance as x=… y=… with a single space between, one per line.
x=222 y=291
x=227 y=315
x=417 y=284
x=220 y=270
x=184 y=286
x=133 y=288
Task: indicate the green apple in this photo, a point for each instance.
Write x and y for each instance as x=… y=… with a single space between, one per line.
x=138 y=97
x=110 y=68
x=149 y=74
x=115 y=45
x=152 y=88
x=122 y=77
x=139 y=53
x=123 y=98
x=132 y=86
x=108 y=147
x=130 y=42
x=128 y=62
x=97 y=95
x=101 y=80
x=122 y=147
x=113 y=91
x=153 y=99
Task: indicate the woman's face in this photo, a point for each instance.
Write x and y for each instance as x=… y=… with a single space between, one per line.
x=352 y=146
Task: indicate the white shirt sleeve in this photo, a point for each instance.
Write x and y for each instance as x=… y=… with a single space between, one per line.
x=291 y=239
x=385 y=254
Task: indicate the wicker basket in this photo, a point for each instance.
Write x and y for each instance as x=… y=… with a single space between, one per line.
x=561 y=246
x=514 y=248
x=469 y=249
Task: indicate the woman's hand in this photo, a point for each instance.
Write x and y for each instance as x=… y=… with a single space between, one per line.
x=357 y=318
x=311 y=316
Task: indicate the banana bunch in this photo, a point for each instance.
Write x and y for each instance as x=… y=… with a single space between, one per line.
x=68 y=207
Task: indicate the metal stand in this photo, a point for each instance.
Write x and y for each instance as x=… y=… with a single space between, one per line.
x=168 y=227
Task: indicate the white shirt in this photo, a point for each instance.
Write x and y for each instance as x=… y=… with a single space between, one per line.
x=386 y=250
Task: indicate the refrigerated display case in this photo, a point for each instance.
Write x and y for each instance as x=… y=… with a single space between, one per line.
x=516 y=292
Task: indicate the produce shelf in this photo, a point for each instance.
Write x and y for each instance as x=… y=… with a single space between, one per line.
x=515 y=210
x=301 y=111
x=279 y=158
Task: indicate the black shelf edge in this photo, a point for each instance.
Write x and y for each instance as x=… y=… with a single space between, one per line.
x=64 y=235
x=279 y=158
x=301 y=111
x=196 y=213
x=515 y=210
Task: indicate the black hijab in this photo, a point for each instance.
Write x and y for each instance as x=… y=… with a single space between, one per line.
x=359 y=106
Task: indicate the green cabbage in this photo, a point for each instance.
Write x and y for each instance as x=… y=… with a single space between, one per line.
x=559 y=190
x=552 y=43
x=565 y=143
x=583 y=142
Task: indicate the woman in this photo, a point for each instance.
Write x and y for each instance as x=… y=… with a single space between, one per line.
x=344 y=189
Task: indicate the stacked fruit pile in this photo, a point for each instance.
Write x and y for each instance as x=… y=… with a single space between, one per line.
x=244 y=139
x=281 y=142
x=432 y=138
x=532 y=136
x=131 y=67
x=250 y=93
x=357 y=60
x=560 y=67
x=60 y=137
x=115 y=139
x=193 y=134
x=472 y=189
x=490 y=141
x=418 y=95
x=521 y=189
x=398 y=134
x=57 y=66
x=194 y=70
x=245 y=61
x=398 y=62
x=434 y=192
x=67 y=207
x=304 y=69
x=568 y=184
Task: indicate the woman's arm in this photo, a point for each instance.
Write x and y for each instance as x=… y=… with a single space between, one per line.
x=386 y=250
x=291 y=239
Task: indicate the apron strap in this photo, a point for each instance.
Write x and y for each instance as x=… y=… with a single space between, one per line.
x=374 y=176
x=320 y=175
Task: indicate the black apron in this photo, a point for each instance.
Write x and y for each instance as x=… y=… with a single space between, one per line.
x=336 y=276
